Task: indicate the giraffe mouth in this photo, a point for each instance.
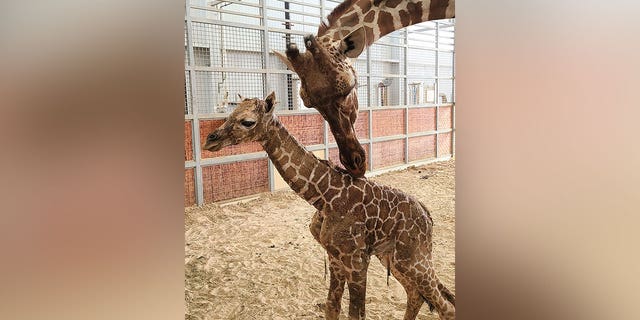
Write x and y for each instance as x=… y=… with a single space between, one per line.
x=356 y=166
x=212 y=146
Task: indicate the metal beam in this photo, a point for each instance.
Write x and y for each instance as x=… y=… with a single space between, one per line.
x=195 y=122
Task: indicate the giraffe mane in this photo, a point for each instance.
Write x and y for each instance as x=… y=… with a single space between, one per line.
x=333 y=17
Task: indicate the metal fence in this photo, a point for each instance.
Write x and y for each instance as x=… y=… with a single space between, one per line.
x=228 y=51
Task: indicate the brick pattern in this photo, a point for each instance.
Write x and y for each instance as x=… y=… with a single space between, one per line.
x=388 y=122
x=189 y=188
x=228 y=181
x=308 y=129
x=422 y=119
x=188 y=141
x=444 y=118
x=422 y=148
x=334 y=156
x=361 y=126
x=233 y=180
x=444 y=144
x=388 y=153
x=207 y=126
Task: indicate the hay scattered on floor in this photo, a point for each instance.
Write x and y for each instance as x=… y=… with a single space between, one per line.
x=258 y=260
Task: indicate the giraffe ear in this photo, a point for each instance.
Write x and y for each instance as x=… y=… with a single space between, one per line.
x=271 y=101
x=354 y=43
x=284 y=59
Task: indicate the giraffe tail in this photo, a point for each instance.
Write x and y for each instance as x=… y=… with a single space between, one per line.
x=446 y=293
x=426 y=210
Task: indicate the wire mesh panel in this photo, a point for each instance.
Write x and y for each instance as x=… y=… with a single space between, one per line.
x=363 y=95
x=386 y=91
x=186 y=51
x=360 y=65
x=445 y=91
x=287 y=89
x=421 y=91
x=386 y=59
x=211 y=88
x=224 y=46
x=246 y=12
x=302 y=16
x=422 y=35
x=394 y=38
x=286 y=85
x=445 y=64
x=187 y=93
x=329 y=5
x=421 y=63
x=446 y=35
x=228 y=51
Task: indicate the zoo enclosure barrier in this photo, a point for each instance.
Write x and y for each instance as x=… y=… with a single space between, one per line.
x=406 y=92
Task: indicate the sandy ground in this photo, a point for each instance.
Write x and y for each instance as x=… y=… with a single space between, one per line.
x=258 y=260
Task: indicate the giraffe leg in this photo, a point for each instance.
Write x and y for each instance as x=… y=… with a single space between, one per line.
x=414 y=303
x=414 y=300
x=337 y=280
x=357 y=283
x=429 y=288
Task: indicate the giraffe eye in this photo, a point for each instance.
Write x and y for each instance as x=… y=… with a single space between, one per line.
x=247 y=123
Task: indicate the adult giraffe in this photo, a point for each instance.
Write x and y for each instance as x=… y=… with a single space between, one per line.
x=328 y=79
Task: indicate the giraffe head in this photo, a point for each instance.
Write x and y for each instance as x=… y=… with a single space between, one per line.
x=248 y=122
x=328 y=84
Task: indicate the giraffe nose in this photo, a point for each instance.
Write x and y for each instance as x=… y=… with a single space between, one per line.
x=357 y=160
x=212 y=137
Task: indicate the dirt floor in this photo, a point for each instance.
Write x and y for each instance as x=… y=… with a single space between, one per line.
x=258 y=260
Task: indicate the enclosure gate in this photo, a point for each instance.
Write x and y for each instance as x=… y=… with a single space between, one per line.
x=406 y=92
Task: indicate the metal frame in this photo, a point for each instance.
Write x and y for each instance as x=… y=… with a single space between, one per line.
x=268 y=70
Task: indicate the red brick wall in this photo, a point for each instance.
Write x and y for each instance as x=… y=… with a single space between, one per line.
x=388 y=122
x=444 y=118
x=422 y=119
x=361 y=126
x=189 y=188
x=188 y=141
x=422 y=148
x=233 y=180
x=388 y=153
x=222 y=182
x=444 y=144
x=208 y=126
x=308 y=129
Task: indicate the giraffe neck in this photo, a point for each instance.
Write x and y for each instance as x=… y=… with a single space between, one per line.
x=301 y=169
x=381 y=17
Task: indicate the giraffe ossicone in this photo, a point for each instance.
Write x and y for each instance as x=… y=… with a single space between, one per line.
x=328 y=79
x=355 y=218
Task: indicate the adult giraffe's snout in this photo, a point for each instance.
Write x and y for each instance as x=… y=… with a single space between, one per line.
x=213 y=142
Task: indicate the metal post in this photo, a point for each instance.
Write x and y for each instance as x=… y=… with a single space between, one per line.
x=266 y=49
x=453 y=100
x=406 y=95
x=267 y=66
x=195 y=125
x=437 y=89
x=369 y=108
x=287 y=25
